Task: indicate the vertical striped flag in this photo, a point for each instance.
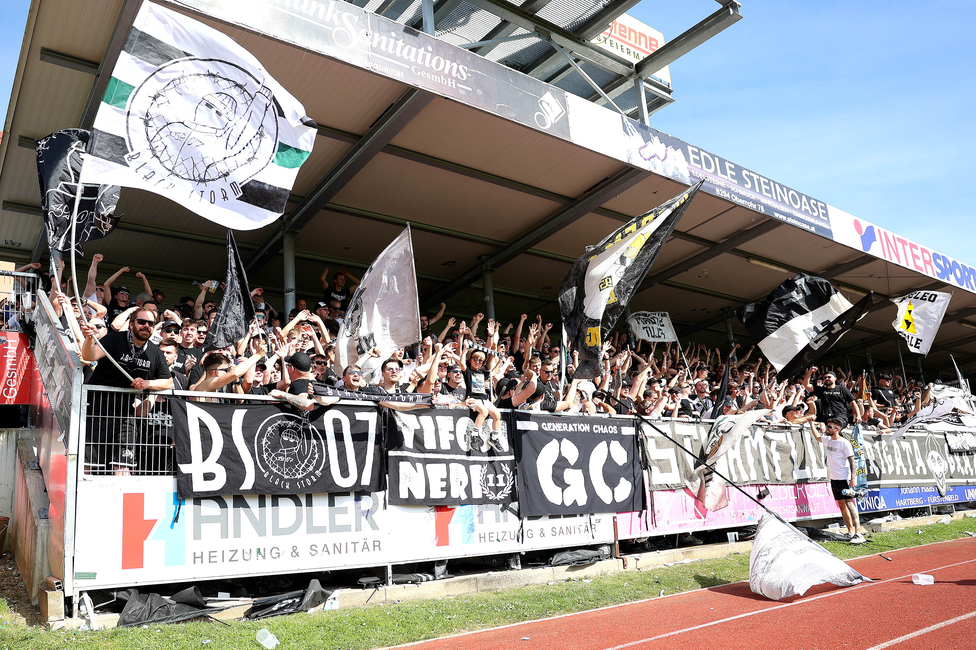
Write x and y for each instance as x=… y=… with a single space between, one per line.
x=602 y=281
x=193 y=116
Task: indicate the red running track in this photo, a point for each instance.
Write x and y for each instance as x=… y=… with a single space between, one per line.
x=891 y=612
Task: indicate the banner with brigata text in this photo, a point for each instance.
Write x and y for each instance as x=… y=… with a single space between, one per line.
x=573 y=465
x=431 y=464
x=228 y=449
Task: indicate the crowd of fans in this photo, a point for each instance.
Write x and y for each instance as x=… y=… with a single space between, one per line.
x=478 y=362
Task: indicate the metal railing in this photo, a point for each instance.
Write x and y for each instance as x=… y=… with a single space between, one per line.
x=130 y=432
x=18 y=293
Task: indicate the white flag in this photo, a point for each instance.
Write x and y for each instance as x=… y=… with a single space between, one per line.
x=920 y=317
x=193 y=116
x=384 y=312
x=784 y=562
x=708 y=487
x=654 y=326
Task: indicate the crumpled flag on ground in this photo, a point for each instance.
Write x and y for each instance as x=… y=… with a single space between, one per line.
x=785 y=563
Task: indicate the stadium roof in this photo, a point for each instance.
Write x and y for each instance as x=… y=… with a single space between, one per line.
x=520 y=187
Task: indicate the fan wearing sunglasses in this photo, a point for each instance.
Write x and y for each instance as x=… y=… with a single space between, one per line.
x=144 y=362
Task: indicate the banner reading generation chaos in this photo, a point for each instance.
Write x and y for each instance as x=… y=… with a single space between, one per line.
x=574 y=465
x=228 y=449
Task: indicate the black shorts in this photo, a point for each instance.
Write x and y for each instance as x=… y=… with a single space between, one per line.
x=837 y=487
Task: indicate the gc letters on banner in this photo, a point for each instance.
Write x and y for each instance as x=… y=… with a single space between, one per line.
x=430 y=463
x=576 y=465
x=227 y=449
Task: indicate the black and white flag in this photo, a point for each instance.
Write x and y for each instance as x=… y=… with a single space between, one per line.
x=59 y=160
x=599 y=285
x=384 y=311
x=575 y=465
x=707 y=486
x=226 y=449
x=799 y=321
x=236 y=310
x=431 y=464
x=191 y=115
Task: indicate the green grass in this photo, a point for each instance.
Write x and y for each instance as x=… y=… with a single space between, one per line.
x=384 y=625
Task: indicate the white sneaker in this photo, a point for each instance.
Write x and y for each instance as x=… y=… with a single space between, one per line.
x=857 y=538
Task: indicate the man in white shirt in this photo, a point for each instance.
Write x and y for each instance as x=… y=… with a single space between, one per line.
x=841 y=467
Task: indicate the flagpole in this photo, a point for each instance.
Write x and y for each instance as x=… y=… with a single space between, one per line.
x=564 y=357
x=688 y=451
x=74 y=278
x=904 y=375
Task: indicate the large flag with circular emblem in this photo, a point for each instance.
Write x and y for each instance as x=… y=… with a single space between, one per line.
x=193 y=116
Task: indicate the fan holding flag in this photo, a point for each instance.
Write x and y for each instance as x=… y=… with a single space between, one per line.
x=191 y=115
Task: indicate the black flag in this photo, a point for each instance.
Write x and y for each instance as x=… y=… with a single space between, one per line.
x=799 y=321
x=723 y=391
x=59 y=160
x=601 y=282
x=236 y=309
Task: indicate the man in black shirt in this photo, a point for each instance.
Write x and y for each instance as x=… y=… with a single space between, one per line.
x=882 y=394
x=338 y=290
x=835 y=401
x=117 y=421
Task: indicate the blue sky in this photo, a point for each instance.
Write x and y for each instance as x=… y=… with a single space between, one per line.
x=866 y=106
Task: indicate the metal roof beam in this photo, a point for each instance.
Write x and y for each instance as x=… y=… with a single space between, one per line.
x=580 y=46
x=948 y=345
x=593 y=26
x=505 y=28
x=68 y=61
x=713 y=251
x=396 y=117
x=127 y=15
x=846 y=267
x=603 y=191
x=688 y=40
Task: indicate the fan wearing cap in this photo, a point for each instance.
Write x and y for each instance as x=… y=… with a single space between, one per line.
x=298 y=377
x=883 y=393
x=220 y=374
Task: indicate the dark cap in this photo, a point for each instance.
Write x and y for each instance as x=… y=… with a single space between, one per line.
x=169 y=323
x=299 y=361
x=121 y=290
x=884 y=375
x=453 y=368
x=505 y=385
x=321 y=305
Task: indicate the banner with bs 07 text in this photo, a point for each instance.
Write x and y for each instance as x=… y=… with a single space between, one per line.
x=227 y=449
x=574 y=465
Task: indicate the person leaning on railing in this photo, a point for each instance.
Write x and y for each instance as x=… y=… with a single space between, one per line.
x=114 y=425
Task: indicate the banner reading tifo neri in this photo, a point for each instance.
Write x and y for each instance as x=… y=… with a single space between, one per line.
x=430 y=463
x=227 y=449
x=572 y=465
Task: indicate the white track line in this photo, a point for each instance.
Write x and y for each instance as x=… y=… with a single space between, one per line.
x=931 y=628
x=646 y=600
x=863 y=585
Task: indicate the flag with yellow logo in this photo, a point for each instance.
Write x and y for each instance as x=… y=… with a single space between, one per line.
x=919 y=317
x=601 y=282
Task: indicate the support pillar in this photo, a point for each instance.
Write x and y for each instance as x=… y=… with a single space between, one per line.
x=870 y=360
x=288 y=250
x=730 y=335
x=641 y=102
x=486 y=286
